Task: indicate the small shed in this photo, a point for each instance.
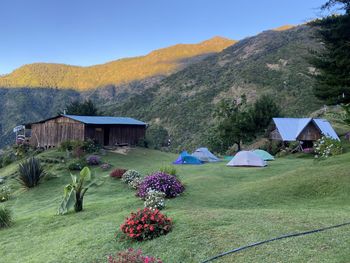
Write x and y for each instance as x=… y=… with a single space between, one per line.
x=307 y=130
x=107 y=131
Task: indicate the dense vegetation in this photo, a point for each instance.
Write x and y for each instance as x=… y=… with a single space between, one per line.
x=273 y=62
x=160 y=62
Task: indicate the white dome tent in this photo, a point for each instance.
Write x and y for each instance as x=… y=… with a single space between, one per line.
x=247 y=159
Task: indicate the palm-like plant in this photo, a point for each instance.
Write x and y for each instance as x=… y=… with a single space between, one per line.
x=31 y=172
x=75 y=191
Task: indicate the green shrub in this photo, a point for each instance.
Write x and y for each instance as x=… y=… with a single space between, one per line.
x=77 y=165
x=70 y=145
x=31 y=172
x=5 y=217
x=130 y=176
x=5 y=193
x=155 y=199
x=7 y=159
x=91 y=146
x=168 y=170
x=326 y=146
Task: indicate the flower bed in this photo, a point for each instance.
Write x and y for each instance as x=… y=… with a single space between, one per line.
x=146 y=224
x=117 y=173
x=132 y=256
x=161 y=182
x=130 y=176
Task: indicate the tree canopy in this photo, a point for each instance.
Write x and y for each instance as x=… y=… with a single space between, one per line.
x=86 y=108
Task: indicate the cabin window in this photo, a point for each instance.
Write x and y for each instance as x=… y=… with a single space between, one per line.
x=98 y=129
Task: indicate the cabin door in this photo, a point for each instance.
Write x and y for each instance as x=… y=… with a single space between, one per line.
x=106 y=136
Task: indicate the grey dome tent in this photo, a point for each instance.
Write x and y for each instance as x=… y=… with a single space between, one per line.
x=205 y=155
x=248 y=159
x=264 y=155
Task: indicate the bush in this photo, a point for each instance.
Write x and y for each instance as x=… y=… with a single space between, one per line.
x=134 y=184
x=91 y=146
x=93 y=160
x=5 y=193
x=117 y=173
x=70 y=145
x=130 y=176
x=168 y=170
x=155 y=200
x=132 y=256
x=161 y=182
x=31 y=172
x=105 y=166
x=77 y=165
x=5 y=217
x=325 y=147
x=146 y=224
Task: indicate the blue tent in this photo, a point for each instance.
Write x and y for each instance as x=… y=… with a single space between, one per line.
x=185 y=158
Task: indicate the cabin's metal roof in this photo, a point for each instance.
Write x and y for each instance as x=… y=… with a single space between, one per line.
x=290 y=128
x=105 y=120
x=96 y=120
x=326 y=128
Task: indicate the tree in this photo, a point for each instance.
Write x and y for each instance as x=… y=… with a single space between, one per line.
x=86 y=108
x=262 y=112
x=234 y=123
x=333 y=60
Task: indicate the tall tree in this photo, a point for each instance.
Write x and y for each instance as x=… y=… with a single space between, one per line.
x=86 y=108
x=333 y=61
x=234 y=122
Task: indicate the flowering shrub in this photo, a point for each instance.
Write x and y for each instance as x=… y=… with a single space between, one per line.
x=117 y=173
x=130 y=175
x=161 y=182
x=93 y=160
x=5 y=193
x=155 y=199
x=134 y=184
x=146 y=224
x=326 y=147
x=132 y=256
x=105 y=166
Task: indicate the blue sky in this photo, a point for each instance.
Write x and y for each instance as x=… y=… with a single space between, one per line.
x=87 y=32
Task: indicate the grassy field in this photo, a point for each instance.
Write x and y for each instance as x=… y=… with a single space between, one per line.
x=222 y=208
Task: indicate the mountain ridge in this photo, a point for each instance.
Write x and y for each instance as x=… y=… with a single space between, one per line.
x=161 y=62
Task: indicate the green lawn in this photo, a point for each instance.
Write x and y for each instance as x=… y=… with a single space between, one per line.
x=222 y=208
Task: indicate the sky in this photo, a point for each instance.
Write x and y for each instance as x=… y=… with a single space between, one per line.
x=88 y=32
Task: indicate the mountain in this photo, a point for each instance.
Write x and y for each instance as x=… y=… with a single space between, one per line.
x=160 y=62
x=274 y=62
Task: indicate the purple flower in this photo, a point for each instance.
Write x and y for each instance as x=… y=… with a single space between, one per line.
x=161 y=182
x=93 y=160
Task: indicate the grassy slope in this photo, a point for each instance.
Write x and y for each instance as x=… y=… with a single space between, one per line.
x=222 y=208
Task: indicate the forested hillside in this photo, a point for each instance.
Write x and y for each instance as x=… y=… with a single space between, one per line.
x=273 y=62
x=160 y=62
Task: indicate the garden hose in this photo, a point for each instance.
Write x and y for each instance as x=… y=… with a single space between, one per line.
x=274 y=239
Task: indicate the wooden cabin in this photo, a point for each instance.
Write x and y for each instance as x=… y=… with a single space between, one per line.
x=306 y=130
x=107 y=131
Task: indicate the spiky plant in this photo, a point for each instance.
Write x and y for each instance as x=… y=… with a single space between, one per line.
x=31 y=172
x=5 y=217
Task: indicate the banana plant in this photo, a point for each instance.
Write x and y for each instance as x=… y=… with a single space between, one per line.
x=75 y=191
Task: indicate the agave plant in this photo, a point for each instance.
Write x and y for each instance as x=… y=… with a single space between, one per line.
x=31 y=172
x=75 y=191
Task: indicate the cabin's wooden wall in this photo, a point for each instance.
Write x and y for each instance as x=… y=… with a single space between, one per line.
x=310 y=133
x=52 y=132
x=118 y=134
x=275 y=135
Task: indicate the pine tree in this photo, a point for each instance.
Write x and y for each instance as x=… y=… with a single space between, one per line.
x=333 y=61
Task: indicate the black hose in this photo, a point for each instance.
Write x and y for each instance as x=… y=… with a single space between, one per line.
x=274 y=239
